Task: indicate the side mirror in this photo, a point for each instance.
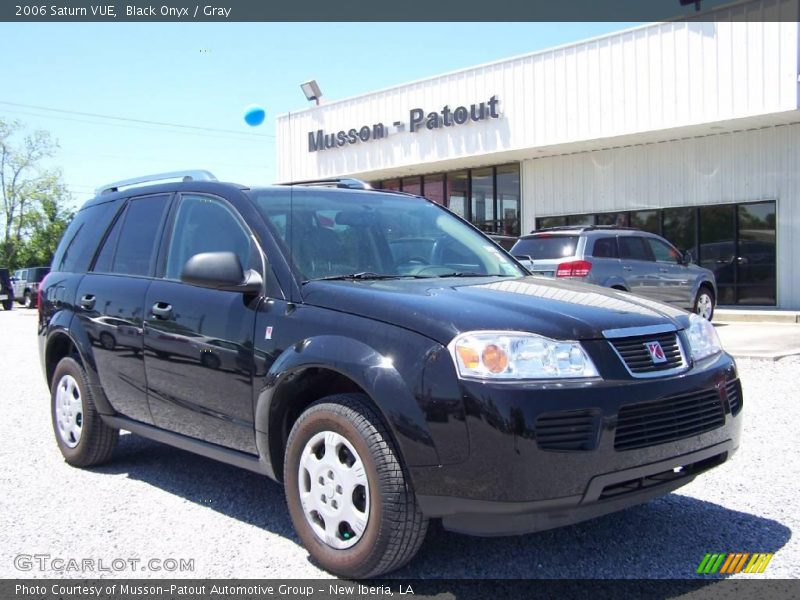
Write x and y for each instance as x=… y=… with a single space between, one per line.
x=686 y=257
x=220 y=271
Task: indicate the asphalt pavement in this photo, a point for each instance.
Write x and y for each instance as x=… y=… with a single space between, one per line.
x=156 y=504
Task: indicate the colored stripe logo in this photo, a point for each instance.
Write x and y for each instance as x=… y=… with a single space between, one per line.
x=734 y=562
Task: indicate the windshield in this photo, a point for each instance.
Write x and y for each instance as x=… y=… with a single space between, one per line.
x=546 y=246
x=342 y=233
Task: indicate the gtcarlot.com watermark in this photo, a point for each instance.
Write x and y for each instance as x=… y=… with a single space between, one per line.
x=63 y=564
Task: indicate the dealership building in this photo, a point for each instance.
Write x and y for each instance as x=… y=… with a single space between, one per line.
x=687 y=129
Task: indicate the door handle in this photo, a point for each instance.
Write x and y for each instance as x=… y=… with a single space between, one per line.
x=162 y=310
x=87 y=301
x=663 y=270
x=624 y=268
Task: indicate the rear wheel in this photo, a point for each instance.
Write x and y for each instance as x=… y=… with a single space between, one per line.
x=83 y=438
x=704 y=303
x=107 y=341
x=347 y=491
x=8 y=304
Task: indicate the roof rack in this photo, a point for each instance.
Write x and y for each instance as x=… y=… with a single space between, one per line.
x=581 y=228
x=196 y=175
x=339 y=182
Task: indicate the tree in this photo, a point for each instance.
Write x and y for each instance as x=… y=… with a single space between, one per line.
x=33 y=214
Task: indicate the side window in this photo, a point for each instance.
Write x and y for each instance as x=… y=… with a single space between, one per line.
x=634 y=248
x=205 y=224
x=131 y=244
x=105 y=259
x=80 y=241
x=663 y=252
x=605 y=247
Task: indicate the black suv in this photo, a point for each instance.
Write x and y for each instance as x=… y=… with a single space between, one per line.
x=379 y=356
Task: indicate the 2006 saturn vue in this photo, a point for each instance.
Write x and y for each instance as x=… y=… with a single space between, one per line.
x=382 y=358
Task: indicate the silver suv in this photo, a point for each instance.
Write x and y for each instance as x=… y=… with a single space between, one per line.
x=625 y=259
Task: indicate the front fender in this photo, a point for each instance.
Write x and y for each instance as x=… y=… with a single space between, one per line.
x=373 y=372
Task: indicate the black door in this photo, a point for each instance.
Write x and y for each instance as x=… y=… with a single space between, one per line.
x=110 y=303
x=198 y=341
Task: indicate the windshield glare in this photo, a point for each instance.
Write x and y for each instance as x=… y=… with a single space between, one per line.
x=343 y=232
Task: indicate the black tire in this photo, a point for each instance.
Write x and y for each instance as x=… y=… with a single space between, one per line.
x=8 y=304
x=210 y=360
x=395 y=528
x=107 y=341
x=699 y=302
x=27 y=300
x=97 y=440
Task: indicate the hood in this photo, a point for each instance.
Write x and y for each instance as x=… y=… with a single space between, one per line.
x=442 y=308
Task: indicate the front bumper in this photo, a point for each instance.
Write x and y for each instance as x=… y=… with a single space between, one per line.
x=514 y=481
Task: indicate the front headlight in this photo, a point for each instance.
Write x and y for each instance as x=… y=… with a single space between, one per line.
x=703 y=338
x=512 y=355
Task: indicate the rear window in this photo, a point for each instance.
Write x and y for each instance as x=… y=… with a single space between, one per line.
x=80 y=241
x=546 y=246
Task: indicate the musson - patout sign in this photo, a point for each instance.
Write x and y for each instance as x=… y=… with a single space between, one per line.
x=418 y=120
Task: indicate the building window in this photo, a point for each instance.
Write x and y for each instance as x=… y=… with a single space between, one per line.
x=482 y=204
x=508 y=199
x=613 y=219
x=646 y=220
x=457 y=190
x=434 y=188
x=547 y=222
x=412 y=185
x=580 y=220
x=680 y=228
x=489 y=197
x=755 y=262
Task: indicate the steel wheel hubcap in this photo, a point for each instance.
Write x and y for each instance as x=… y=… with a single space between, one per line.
x=69 y=411
x=704 y=306
x=334 y=490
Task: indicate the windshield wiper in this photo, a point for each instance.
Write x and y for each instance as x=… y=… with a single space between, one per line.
x=472 y=274
x=364 y=276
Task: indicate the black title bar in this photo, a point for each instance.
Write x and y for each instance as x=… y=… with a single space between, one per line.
x=391 y=10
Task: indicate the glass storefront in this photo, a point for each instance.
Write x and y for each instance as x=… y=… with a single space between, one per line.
x=488 y=197
x=735 y=241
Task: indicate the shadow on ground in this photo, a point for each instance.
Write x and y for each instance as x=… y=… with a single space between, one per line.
x=665 y=538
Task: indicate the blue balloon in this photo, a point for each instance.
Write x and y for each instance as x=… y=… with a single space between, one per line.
x=254 y=115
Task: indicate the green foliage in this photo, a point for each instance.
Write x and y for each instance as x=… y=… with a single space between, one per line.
x=32 y=214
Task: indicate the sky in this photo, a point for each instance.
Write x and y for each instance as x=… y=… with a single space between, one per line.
x=203 y=75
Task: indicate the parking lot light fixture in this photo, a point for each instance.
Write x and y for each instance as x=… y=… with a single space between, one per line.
x=311 y=90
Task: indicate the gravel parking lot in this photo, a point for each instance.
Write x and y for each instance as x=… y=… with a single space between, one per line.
x=154 y=502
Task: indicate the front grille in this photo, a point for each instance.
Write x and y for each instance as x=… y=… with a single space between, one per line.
x=733 y=389
x=651 y=423
x=566 y=431
x=633 y=352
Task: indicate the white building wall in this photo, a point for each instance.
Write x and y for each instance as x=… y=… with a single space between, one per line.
x=658 y=77
x=762 y=164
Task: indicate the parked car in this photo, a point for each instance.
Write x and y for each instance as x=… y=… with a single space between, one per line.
x=26 y=284
x=382 y=388
x=6 y=290
x=621 y=258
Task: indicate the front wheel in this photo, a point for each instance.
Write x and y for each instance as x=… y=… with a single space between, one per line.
x=8 y=304
x=347 y=491
x=83 y=438
x=704 y=303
